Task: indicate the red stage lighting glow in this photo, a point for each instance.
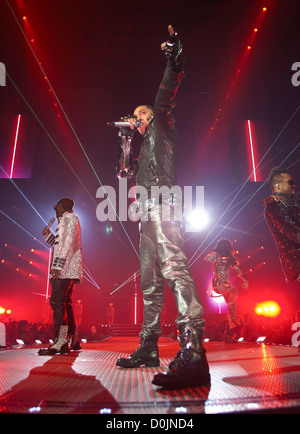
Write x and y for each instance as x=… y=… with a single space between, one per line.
x=242 y=62
x=4 y=310
x=268 y=308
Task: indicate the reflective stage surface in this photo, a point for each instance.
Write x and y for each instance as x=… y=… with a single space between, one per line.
x=245 y=378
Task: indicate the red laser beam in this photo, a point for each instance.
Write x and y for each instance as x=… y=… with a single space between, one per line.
x=15 y=147
x=250 y=135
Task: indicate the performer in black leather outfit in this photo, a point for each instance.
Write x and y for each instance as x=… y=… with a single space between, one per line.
x=282 y=214
x=161 y=242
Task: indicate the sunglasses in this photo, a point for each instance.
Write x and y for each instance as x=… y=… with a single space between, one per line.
x=290 y=182
x=56 y=206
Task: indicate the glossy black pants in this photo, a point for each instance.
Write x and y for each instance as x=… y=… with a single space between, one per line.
x=61 y=303
x=162 y=257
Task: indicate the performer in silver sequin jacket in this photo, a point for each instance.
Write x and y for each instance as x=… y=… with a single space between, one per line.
x=67 y=255
x=66 y=270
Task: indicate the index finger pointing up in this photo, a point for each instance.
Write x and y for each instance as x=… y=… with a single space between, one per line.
x=171 y=30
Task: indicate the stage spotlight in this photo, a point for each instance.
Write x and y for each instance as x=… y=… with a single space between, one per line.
x=4 y=310
x=108 y=229
x=181 y=410
x=268 y=308
x=217 y=298
x=105 y=411
x=196 y=221
x=34 y=410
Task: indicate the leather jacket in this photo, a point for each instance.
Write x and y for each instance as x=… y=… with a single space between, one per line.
x=158 y=155
x=282 y=214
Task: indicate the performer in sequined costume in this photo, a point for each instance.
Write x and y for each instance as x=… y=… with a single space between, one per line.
x=66 y=270
x=282 y=214
x=161 y=242
x=223 y=260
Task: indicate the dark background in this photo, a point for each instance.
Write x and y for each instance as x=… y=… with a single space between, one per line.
x=101 y=59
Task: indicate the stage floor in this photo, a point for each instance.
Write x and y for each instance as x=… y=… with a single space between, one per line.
x=244 y=378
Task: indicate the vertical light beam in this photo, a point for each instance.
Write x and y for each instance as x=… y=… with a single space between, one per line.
x=15 y=147
x=135 y=300
x=48 y=274
x=252 y=151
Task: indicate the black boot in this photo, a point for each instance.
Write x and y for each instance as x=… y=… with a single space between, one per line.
x=232 y=335
x=73 y=341
x=146 y=354
x=60 y=344
x=189 y=368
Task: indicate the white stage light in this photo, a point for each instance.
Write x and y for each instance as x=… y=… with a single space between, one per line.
x=196 y=221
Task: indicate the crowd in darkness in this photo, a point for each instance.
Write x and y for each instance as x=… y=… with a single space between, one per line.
x=275 y=330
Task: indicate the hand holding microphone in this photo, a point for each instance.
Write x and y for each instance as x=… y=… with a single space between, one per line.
x=46 y=230
x=132 y=123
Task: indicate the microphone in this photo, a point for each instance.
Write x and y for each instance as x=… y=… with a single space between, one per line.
x=122 y=124
x=50 y=223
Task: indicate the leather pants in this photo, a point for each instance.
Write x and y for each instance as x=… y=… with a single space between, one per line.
x=61 y=303
x=162 y=257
